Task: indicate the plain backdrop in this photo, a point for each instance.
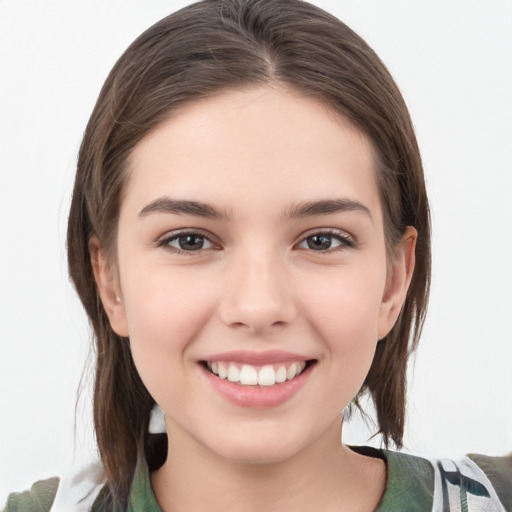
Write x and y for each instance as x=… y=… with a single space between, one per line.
x=453 y=61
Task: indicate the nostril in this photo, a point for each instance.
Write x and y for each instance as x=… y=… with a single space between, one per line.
x=241 y=325
x=257 y=325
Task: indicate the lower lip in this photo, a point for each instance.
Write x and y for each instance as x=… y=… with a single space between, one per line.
x=257 y=396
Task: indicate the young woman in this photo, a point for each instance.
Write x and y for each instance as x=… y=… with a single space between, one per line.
x=249 y=235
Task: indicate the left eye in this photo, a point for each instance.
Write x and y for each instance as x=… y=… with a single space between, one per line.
x=323 y=242
x=188 y=242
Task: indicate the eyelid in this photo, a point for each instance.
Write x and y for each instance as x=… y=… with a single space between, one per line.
x=164 y=240
x=347 y=240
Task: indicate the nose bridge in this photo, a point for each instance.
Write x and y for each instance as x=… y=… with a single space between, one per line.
x=257 y=292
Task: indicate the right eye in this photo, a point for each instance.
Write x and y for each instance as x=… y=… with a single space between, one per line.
x=186 y=242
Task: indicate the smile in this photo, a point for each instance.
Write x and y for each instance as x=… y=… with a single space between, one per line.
x=249 y=375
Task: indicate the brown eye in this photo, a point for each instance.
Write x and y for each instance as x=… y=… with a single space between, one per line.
x=186 y=242
x=190 y=242
x=326 y=241
x=321 y=242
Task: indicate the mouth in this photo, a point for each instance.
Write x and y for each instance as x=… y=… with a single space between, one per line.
x=266 y=375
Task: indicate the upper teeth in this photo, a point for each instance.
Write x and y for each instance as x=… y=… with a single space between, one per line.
x=248 y=375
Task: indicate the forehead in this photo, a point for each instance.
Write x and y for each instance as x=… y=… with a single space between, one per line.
x=261 y=145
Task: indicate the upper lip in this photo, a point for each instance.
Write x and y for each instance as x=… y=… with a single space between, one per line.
x=257 y=358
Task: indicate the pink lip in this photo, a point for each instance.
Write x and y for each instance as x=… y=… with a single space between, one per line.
x=257 y=358
x=258 y=397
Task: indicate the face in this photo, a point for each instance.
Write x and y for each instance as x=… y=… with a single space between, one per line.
x=252 y=271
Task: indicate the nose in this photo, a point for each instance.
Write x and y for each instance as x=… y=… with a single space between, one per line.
x=257 y=293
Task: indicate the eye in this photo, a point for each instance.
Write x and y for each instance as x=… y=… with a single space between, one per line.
x=186 y=242
x=326 y=241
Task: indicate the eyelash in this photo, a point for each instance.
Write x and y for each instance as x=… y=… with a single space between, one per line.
x=344 y=240
x=168 y=239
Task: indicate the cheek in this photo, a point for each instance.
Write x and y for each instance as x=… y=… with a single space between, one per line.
x=165 y=314
x=344 y=313
x=346 y=306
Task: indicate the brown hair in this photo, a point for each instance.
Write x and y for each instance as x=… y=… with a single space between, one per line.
x=194 y=53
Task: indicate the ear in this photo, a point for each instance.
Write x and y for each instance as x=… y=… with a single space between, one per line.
x=397 y=283
x=108 y=288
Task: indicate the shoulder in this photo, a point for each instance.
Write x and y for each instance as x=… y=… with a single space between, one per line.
x=471 y=483
x=76 y=492
x=39 y=498
x=498 y=470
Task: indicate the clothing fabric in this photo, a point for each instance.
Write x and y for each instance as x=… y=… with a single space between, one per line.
x=475 y=483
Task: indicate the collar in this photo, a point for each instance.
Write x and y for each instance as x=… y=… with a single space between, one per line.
x=410 y=483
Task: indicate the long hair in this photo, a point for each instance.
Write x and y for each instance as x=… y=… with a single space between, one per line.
x=215 y=45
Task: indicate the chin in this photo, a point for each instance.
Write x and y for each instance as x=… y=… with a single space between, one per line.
x=260 y=448
x=258 y=457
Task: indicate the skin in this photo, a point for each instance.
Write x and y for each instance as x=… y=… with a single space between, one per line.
x=256 y=285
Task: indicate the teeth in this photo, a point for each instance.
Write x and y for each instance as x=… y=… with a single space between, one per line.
x=248 y=375
x=233 y=373
x=281 y=374
x=266 y=376
x=223 y=372
x=292 y=371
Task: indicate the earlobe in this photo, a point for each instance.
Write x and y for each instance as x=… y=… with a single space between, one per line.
x=398 y=281
x=108 y=288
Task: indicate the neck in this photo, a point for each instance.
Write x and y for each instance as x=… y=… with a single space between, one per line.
x=324 y=476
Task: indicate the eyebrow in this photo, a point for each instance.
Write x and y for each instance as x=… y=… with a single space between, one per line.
x=326 y=207
x=177 y=206
x=302 y=209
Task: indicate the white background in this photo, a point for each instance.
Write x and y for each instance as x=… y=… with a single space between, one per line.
x=453 y=62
